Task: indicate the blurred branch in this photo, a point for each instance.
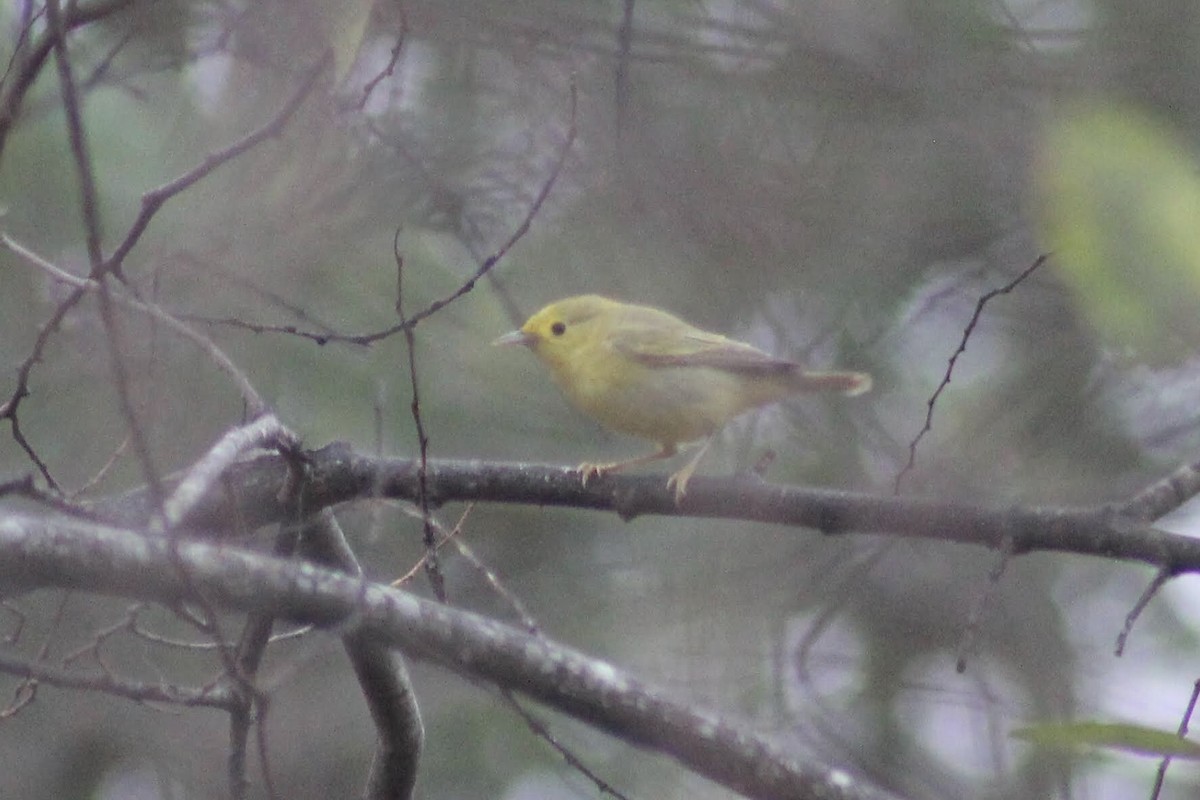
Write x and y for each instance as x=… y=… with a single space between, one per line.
x=202 y=476
x=255 y=404
x=1164 y=495
x=381 y=672
x=491 y=261
x=390 y=67
x=52 y=675
x=251 y=712
x=541 y=730
x=340 y=474
x=111 y=560
x=78 y=138
x=1161 y=774
x=29 y=62
x=153 y=200
x=30 y=57
x=621 y=72
x=433 y=565
x=1160 y=580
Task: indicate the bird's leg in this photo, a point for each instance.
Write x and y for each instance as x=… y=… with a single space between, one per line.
x=588 y=470
x=680 y=479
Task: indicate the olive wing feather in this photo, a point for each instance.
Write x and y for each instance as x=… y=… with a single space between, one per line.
x=656 y=347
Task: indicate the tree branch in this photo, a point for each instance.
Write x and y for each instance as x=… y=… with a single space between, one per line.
x=31 y=58
x=339 y=474
x=115 y=561
x=381 y=673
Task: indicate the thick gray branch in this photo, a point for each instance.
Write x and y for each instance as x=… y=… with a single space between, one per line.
x=108 y=560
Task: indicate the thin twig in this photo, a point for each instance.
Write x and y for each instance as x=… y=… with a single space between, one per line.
x=1161 y=775
x=91 y=222
x=970 y=635
x=931 y=403
x=1161 y=577
x=445 y=538
x=256 y=634
x=621 y=71
x=153 y=200
x=454 y=538
x=542 y=731
x=433 y=567
x=105 y=468
x=484 y=269
x=29 y=60
x=491 y=261
x=77 y=137
x=255 y=404
x=389 y=68
x=103 y=682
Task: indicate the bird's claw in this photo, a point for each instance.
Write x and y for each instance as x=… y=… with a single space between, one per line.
x=679 y=481
x=587 y=470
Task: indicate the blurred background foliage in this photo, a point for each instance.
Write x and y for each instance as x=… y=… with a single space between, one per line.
x=835 y=180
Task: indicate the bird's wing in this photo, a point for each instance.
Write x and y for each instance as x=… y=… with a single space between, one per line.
x=691 y=347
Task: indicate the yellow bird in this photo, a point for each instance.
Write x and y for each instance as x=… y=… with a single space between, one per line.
x=639 y=370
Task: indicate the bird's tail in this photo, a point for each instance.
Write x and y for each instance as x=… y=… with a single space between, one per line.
x=850 y=383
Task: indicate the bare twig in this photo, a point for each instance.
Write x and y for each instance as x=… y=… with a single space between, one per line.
x=970 y=635
x=262 y=712
x=621 y=71
x=453 y=537
x=104 y=682
x=105 y=468
x=215 y=269
x=389 y=68
x=433 y=567
x=91 y=223
x=255 y=404
x=153 y=200
x=522 y=228
x=491 y=261
x=494 y=583
x=1163 y=575
x=21 y=45
x=26 y=693
x=78 y=139
x=28 y=60
x=1161 y=775
x=542 y=731
x=445 y=537
x=484 y=269
x=256 y=634
x=931 y=403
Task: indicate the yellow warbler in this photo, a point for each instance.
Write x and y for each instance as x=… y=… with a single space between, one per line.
x=642 y=371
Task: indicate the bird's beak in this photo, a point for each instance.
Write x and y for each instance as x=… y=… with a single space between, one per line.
x=515 y=337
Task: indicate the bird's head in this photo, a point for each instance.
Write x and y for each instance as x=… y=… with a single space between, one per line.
x=559 y=330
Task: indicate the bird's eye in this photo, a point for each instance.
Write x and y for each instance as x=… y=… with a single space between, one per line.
x=558 y=328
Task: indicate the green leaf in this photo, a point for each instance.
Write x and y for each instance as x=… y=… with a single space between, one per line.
x=1115 y=736
x=1120 y=209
